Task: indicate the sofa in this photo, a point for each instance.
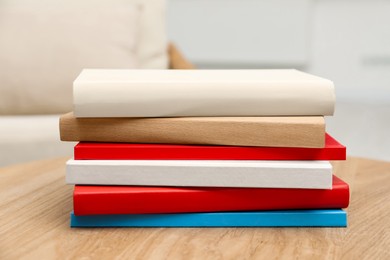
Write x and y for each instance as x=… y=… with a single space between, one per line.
x=25 y=138
x=43 y=47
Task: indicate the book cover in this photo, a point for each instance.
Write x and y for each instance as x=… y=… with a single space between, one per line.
x=107 y=200
x=235 y=131
x=201 y=173
x=284 y=218
x=192 y=93
x=333 y=150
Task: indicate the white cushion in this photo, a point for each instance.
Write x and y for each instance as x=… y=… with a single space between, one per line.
x=152 y=44
x=45 y=44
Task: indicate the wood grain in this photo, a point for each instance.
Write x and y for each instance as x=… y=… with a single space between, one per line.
x=306 y=131
x=34 y=223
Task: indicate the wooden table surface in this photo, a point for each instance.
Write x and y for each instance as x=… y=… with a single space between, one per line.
x=34 y=224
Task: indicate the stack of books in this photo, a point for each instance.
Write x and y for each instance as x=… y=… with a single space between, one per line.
x=203 y=148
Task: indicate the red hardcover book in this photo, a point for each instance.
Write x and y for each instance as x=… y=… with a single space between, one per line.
x=96 y=200
x=333 y=150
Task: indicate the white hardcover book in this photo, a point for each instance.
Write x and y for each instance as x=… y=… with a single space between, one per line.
x=177 y=93
x=256 y=174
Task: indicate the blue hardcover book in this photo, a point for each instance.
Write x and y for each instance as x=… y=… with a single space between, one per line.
x=282 y=218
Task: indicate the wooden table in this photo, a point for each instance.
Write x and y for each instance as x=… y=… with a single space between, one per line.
x=34 y=223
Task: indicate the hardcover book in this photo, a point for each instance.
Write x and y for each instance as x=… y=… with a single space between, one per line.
x=107 y=200
x=333 y=150
x=193 y=93
x=284 y=218
x=211 y=173
x=238 y=131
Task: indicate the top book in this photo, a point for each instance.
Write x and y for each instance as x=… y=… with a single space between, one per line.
x=177 y=93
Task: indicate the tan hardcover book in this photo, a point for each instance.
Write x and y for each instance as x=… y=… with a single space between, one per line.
x=240 y=131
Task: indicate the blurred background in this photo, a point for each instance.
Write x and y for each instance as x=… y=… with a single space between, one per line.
x=42 y=50
x=346 y=41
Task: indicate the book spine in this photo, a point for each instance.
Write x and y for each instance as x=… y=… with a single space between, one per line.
x=277 y=132
x=256 y=174
x=175 y=96
x=126 y=200
x=131 y=151
x=293 y=218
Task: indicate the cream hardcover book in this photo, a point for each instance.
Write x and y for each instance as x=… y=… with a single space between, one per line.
x=201 y=93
